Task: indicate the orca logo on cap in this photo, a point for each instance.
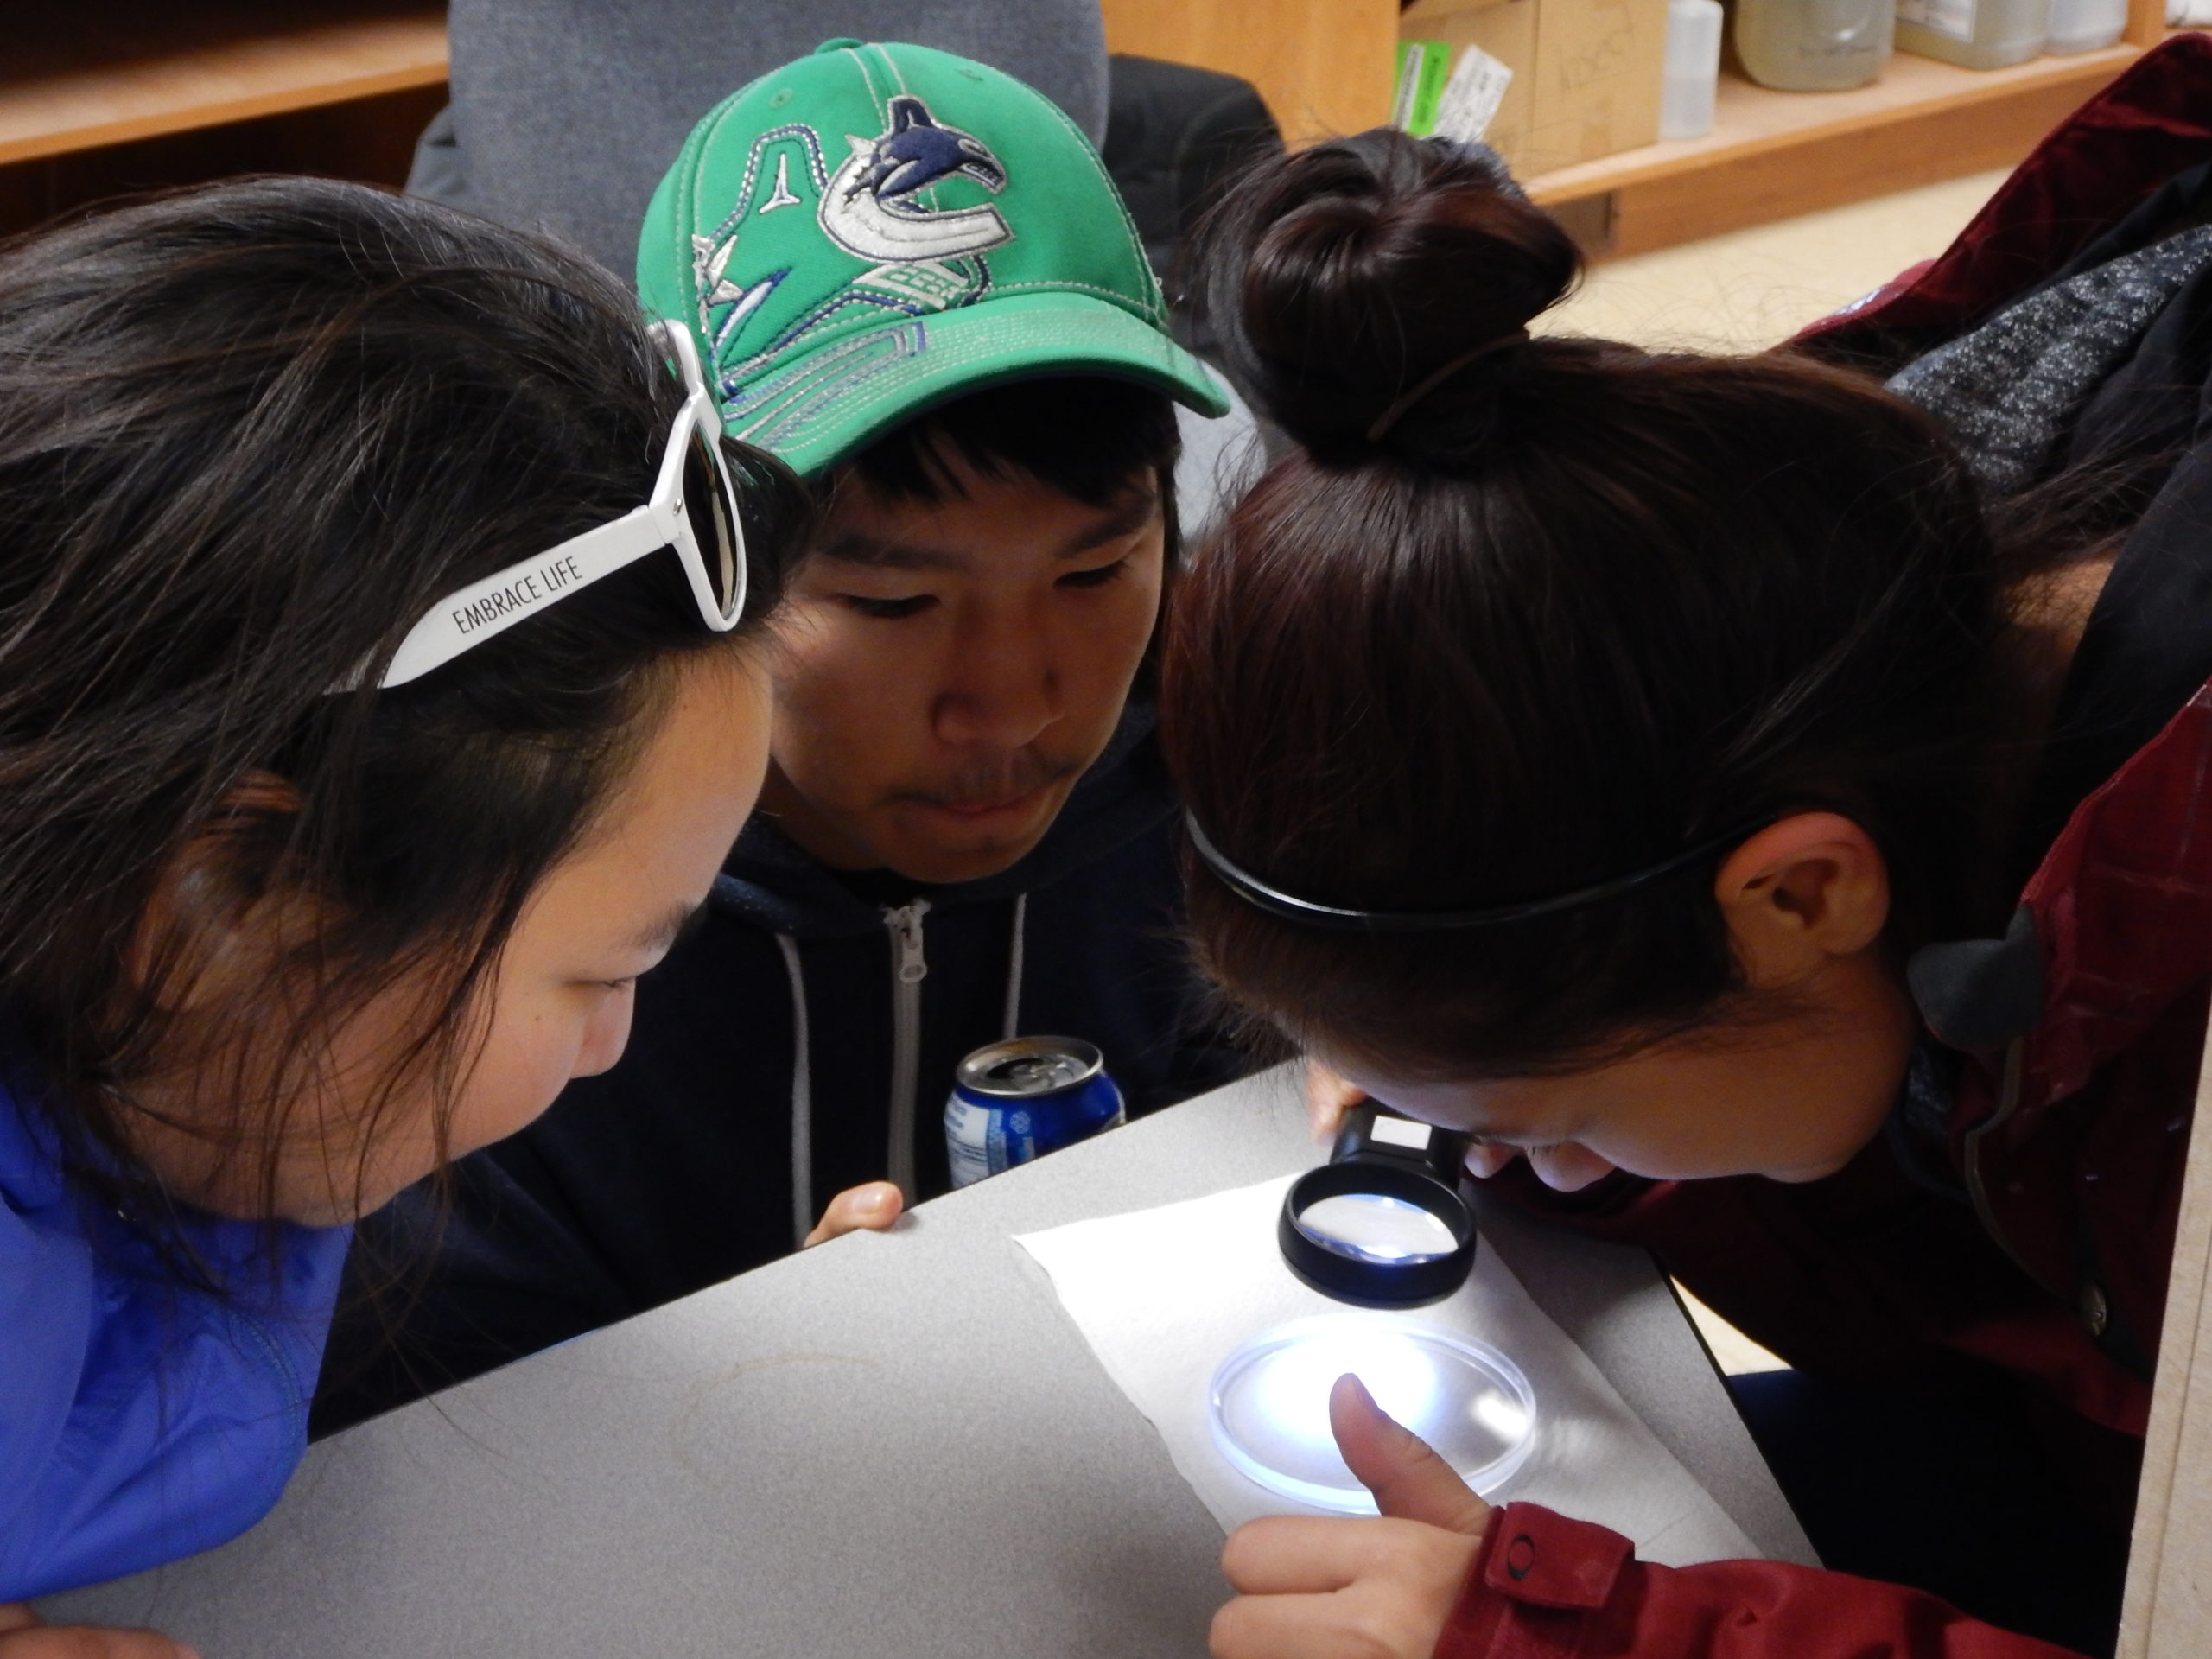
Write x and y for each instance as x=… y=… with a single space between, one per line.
x=868 y=208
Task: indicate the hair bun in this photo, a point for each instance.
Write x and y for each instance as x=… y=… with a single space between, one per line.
x=1369 y=290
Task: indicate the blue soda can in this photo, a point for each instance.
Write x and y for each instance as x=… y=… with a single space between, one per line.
x=1020 y=1099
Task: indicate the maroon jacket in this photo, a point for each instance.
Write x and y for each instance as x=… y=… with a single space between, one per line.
x=2066 y=1136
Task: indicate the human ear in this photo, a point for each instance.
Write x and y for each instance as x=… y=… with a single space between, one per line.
x=1801 y=893
x=211 y=919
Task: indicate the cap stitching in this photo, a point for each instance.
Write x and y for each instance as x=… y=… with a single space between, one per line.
x=858 y=413
x=1098 y=166
x=845 y=299
x=867 y=79
x=695 y=144
x=798 y=130
x=890 y=63
x=1146 y=307
x=686 y=218
x=891 y=379
x=1069 y=283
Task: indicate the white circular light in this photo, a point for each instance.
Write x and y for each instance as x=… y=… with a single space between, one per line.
x=1270 y=1406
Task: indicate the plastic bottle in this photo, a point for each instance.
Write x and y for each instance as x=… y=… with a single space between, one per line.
x=1692 y=68
x=1973 y=34
x=1814 y=46
x=2086 y=25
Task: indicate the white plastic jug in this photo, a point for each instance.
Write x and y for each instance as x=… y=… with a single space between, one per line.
x=1813 y=46
x=1693 y=72
x=1973 y=34
x=2086 y=25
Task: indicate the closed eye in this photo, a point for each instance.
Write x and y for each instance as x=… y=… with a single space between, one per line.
x=889 y=610
x=1097 y=576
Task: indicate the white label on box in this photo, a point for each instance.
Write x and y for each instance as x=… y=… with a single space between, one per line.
x=1472 y=95
x=1400 y=1132
x=1953 y=18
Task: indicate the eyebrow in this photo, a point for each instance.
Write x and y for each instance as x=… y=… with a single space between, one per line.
x=1140 y=510
x=854 y=547
x=662 y=934
x=851 y=547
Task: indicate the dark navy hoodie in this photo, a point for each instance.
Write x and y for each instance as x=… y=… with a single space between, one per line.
x=801 y=1040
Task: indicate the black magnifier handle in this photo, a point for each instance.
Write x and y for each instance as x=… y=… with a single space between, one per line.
x=1370 y=1132
x=1384 y=1224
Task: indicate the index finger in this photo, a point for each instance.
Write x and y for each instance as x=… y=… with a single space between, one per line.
x=872 y=1207
x=1328 y=1098
x=85 y=1642
x=1287 y=1554
x=1281 y=1627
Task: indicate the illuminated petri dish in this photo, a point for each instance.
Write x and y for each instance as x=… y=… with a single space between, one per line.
x=1271 y=1405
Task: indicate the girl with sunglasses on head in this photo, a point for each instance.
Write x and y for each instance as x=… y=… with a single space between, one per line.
x=379 y=691
x=1764 y=809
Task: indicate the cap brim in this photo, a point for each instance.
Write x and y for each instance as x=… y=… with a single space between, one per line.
x=814 y=410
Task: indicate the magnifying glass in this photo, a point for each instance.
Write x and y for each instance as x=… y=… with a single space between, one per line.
x=1383 y=1223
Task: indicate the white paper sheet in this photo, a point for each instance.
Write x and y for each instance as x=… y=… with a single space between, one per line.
x=1163 y=1296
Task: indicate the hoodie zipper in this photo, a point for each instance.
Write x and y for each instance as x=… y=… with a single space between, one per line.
x=909 y=967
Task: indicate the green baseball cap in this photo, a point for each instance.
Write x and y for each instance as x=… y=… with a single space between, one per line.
x=875 y=229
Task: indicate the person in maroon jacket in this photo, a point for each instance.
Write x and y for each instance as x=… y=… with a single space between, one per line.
x=1762 y=800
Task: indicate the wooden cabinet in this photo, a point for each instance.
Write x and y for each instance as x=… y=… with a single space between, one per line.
x=1323 y=65
x=152 y=91
x=1772 y=154
x=138 y=94
x=144 y=70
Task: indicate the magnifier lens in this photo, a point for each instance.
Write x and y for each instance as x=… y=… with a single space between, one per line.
x=1383 y=1223
x=1376 y=1227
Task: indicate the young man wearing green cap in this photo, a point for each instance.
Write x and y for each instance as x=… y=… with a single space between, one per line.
x=913 y=282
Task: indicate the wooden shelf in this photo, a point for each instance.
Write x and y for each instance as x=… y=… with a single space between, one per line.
x=1772 y=154
x=142 y=71
x=152 y=69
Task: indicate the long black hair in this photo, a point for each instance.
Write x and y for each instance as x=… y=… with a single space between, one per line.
x=1525 y=615
x=248 y=435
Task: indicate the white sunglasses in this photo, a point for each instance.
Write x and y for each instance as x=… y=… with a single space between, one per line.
x=693 y=509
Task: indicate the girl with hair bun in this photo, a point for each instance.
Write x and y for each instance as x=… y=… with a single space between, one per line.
x=380 y=621
x=1762 y=806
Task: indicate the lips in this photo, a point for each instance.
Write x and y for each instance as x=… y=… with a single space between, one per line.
x=974 y=809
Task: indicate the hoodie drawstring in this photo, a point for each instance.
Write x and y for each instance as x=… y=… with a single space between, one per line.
x=802 y=1069
x=1013 y=1024
x=802 y=1100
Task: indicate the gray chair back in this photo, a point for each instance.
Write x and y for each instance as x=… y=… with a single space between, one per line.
x=565 y=113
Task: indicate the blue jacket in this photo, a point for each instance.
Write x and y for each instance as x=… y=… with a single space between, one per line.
x=801 y=1041
x=141 y=1419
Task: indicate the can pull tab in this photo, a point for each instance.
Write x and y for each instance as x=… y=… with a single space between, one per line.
x=907 y=928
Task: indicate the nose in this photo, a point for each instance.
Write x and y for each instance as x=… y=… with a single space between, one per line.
x=605 y=1034
x=1003 y=688
x=1568 y=1167
x=1486 y=1157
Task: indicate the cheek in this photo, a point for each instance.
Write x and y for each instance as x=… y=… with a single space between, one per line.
x=530 y=1055
x=835 y=702
x=1118 y=646
x=1684 y=1145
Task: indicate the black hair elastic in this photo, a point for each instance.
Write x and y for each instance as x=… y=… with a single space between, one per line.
x=1340 y=918
x=1428 y=383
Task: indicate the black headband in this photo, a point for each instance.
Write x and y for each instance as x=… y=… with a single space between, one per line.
x=1336 y=918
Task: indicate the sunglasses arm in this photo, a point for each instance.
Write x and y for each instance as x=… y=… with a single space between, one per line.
x=501 y=600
